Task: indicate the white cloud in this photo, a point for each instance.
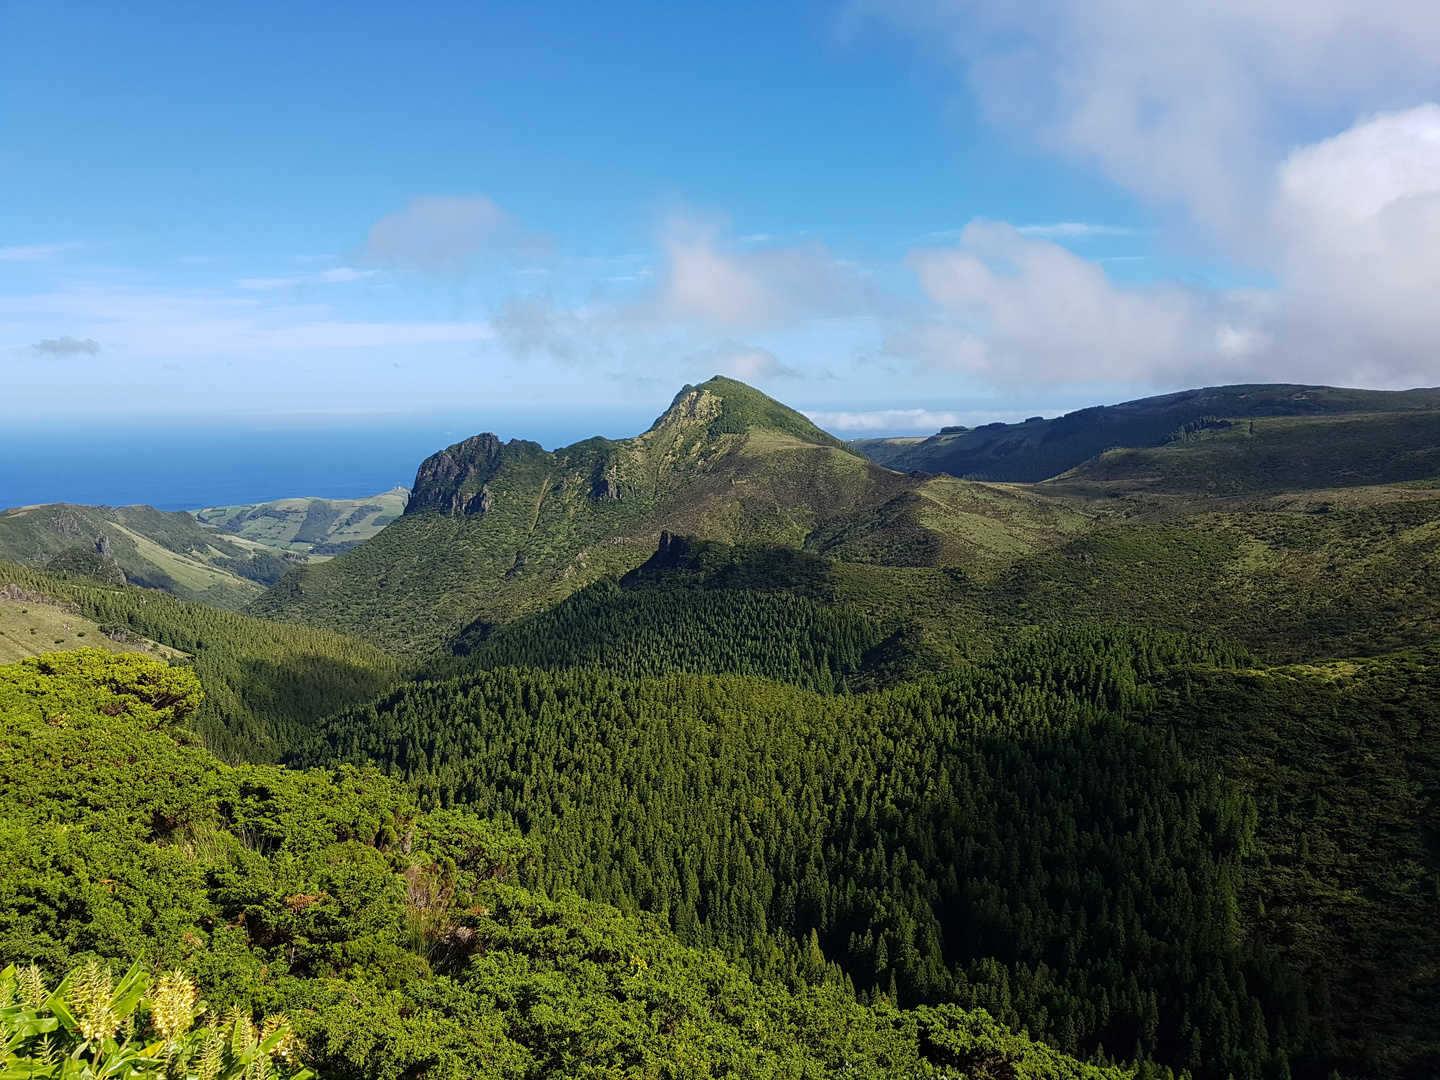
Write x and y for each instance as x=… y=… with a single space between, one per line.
x=443 y=232
x=884 y=420
x=1017 y=309
x=1356 y=227
x=748 y=363
x=1186 y=100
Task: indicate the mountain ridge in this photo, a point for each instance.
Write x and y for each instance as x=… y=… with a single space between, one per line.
x=494 y=530
x=1039 y=449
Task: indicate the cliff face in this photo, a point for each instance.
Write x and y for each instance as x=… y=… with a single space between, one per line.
x=455 y=481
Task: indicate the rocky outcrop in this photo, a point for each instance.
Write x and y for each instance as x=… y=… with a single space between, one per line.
x=443 y=479
x=457 y=481
x=671 y=550
x=30 y=596
x=603 y=481
x=480 y=502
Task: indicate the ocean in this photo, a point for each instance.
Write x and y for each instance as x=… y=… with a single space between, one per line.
x=188 y=464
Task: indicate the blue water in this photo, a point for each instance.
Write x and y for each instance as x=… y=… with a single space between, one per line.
x=186 y=465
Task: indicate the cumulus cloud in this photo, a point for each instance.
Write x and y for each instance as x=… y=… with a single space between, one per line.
x=1020 y=309
x=748 y=363
x=1352 y=225
x=437 y=233
x=1356 y=223
x=709 y=278
x=67 y=346
x=1187 y=100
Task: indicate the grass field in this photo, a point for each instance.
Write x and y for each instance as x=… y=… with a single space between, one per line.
x=30 y=629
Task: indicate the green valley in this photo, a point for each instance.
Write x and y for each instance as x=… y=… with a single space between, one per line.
x=151 y=548
x=1102 y=747
x=223 y=556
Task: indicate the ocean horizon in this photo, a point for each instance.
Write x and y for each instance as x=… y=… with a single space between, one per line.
x=189 y=464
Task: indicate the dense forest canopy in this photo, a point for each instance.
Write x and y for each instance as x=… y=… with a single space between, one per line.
x=723 y=751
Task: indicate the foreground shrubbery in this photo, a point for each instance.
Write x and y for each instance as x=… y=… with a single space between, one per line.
x=403 y=944
x=264 y=681
x=91 y=1026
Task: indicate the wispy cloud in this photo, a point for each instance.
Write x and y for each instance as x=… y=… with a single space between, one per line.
x=67 y=346
x=442 y=233
x=338 y=276
x=36 y=253
x=185 y=324
x=1074 y=230
x=884 y=420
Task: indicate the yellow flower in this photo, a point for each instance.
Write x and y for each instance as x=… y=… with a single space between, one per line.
x=172 y=1004
x=89 y=999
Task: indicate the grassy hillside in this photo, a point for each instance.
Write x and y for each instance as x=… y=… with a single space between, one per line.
x=150 y=547
x=318 y=527
x=33 y=623
x=266 y=684
x=400 y=942
x=1336 y=574
x=1039 y=449
x=1270 y=455
x=494 y=531
x=1326 y=574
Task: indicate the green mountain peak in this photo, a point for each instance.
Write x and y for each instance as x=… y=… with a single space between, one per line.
x=730 y=407
x=496 y=530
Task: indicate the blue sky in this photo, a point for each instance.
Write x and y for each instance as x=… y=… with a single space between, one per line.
x=893 y=216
